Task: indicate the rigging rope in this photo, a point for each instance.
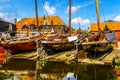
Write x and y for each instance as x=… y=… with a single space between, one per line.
x=102 y=8
x=104 y=14
x=45 y=8
x=77 y=15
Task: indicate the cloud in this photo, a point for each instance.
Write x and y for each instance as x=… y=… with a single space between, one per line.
x=74 y=9
x=88 y=3
x=4 y=16
x=80 y=20
x=48 y=9
x=117 y=18
x=19 y=19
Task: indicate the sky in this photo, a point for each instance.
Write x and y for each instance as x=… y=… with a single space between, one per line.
x=83 y=11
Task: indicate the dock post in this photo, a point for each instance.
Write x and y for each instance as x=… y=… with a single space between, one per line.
x=40 y=50
x=76 y=55
x=38 y=47
x=116 y=43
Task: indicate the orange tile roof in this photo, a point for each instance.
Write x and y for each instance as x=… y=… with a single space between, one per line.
x=29 y=21
x=111 y=25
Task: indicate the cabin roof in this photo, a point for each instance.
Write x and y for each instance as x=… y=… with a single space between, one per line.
x=114 y=26
x=4 y=23
x=29 y=21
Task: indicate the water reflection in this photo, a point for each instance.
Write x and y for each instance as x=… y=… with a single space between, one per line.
x=18 y=69
x=54 y=70
x=94 y=72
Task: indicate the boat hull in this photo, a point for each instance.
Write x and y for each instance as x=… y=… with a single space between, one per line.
x=21 y=46
x=2 y=54
x=52 y=47
x=98 y=46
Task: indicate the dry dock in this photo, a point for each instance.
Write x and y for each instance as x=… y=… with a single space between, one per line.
x=69 y=56
x=106 y=59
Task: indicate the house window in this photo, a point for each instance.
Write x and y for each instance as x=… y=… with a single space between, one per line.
x=46 y=23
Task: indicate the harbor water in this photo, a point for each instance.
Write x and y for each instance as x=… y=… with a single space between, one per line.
x=21 y=69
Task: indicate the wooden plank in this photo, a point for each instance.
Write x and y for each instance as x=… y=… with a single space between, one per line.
x=63 y=56
x=109 y=57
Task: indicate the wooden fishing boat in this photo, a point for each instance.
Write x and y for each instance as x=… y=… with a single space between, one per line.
x=20 y=44
x=101 y=41
x=97 y=46
x=58 y=44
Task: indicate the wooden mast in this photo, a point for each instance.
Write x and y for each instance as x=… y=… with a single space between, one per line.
x=98 y=21
x=98 y=16
x=36 y=11
x=70 y=4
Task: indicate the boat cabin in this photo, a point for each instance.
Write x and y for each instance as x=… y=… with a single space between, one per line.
x=6 y=26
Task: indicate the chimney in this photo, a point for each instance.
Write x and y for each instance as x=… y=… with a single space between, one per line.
x=15 y=21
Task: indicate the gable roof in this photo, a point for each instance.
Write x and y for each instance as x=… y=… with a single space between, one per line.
x=25 y=27
x=114 y=26
x=106 y=28
x=28 y=21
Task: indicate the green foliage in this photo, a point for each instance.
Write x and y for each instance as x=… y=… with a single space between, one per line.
x=117 y=61
x=86 y=33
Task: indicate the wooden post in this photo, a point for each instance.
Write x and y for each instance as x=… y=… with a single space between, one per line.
x=77 y=44
x=40 y=50
x=38 y=46
x=116 y=42
x=37 y=49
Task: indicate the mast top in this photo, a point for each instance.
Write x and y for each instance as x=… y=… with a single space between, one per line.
x=98 y=16
x=36 y=11
x=70 y=4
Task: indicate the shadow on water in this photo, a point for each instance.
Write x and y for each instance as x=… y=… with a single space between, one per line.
x=94 y=55
x=18 y=69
